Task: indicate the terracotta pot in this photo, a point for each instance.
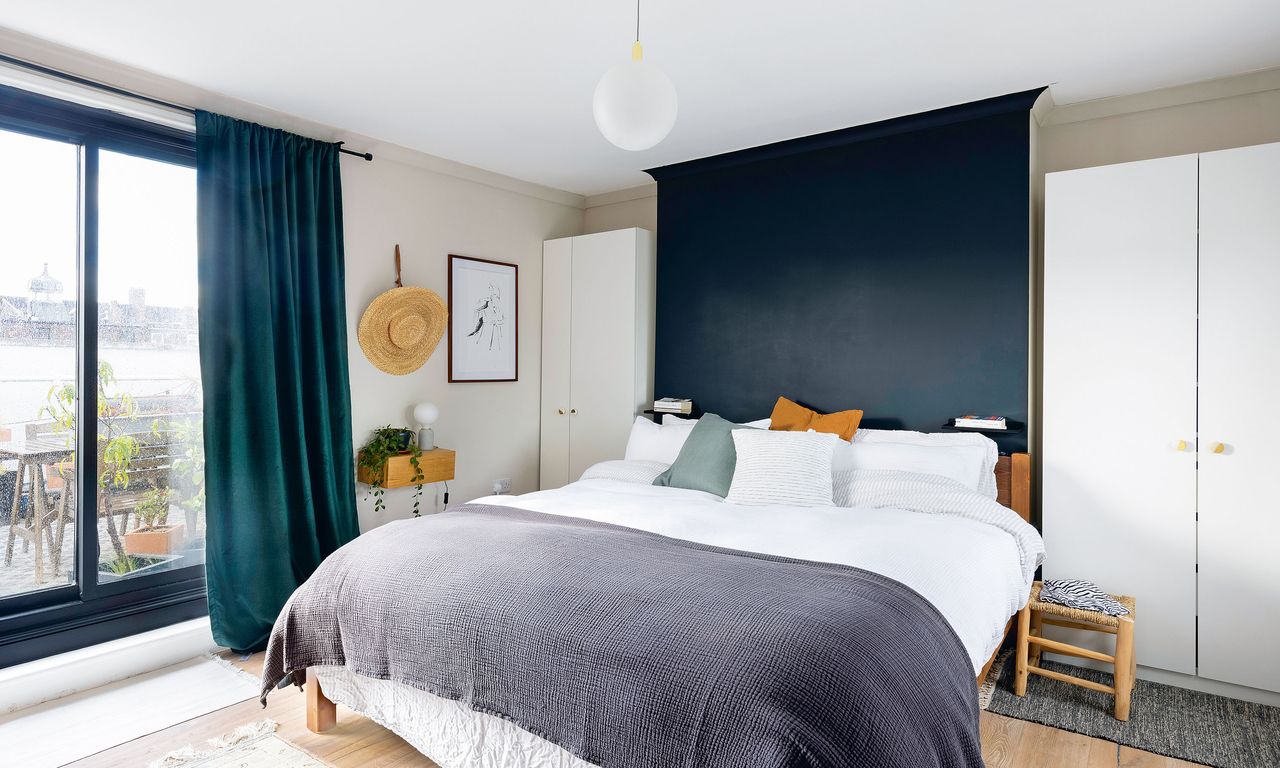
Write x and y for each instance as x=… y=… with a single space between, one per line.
x=161 y=540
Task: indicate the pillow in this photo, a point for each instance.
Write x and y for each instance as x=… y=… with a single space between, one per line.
x=961 y=463
x=986 y=480
x=788 y=468
x=789 y=416
x=759 y=423
x=671 y=418
x=657 y=442
x=706 y=460
x=641 y=472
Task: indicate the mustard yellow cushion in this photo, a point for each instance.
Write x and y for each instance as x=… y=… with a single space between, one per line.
x=790 y=416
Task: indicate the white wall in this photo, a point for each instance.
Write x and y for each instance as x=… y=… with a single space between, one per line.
x=634 y=207
x=494 y=427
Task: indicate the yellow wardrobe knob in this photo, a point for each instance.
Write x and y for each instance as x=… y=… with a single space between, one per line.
x=1219 y=447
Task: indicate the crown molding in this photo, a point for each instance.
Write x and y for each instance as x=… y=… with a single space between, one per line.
x=1258 y=81
x=71 y=61
x=622 y=195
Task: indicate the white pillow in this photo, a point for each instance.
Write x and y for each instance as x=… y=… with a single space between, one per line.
x=759 y=423
x=786 y=468
x=984 y=481
x=669 y=418
x=642 y=472
x=657 y=442
x=961 y=463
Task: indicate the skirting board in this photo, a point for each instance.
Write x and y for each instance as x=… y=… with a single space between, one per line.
x=26 y=685
x=1216 y=687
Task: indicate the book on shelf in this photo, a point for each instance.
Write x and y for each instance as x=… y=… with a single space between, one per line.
x=673 y=405
x=981 y=422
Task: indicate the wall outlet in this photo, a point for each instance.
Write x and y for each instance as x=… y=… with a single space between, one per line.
x=501 y=485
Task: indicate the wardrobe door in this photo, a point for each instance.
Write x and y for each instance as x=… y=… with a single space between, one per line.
x=557 y=292
x=1239 y=387
x=603 y=348
x=1119 y=394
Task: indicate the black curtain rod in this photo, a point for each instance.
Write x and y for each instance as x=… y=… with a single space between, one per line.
x=130 y=94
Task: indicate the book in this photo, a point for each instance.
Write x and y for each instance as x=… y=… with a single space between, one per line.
x=673 y=405
x=981 y=422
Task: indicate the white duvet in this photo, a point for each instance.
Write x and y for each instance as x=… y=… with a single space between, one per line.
x=971 y=558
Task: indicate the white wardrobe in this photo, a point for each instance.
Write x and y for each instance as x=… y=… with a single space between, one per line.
x=1161 y=368
x=598 y=294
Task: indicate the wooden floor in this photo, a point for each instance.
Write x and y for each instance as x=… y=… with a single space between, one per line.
x=357 y=741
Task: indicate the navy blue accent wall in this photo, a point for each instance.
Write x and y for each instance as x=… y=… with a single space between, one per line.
x=883 y=267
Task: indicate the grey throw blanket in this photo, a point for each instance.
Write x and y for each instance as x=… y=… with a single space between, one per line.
x=634 y=650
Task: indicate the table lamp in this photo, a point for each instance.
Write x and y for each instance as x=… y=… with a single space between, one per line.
x=426 y=414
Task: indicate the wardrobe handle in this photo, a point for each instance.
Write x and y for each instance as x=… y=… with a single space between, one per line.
x=1179 y=445
x=573 y=410
x=561 y=411
x=1219 y=447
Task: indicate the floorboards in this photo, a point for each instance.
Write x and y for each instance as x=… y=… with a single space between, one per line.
x=358 y=741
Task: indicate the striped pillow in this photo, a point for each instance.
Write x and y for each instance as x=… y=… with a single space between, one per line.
x=787 y=468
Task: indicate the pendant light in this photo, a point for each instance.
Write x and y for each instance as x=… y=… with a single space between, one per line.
x=635 y=102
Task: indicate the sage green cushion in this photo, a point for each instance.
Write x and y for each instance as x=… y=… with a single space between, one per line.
x=707 y=459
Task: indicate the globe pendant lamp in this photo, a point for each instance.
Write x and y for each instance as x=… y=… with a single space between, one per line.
x=635 y=102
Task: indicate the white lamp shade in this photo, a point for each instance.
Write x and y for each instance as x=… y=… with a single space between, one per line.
x=635 y=105
x=426 y=413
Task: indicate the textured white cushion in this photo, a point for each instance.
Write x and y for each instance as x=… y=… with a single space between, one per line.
x=979 y=450
x=961 y=463
x=642 y=472
x=785 y=468
x=657 y=442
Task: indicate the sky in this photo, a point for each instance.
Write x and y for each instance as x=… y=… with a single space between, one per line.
x=147 y=231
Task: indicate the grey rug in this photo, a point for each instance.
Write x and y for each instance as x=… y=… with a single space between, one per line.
x=1175 y=722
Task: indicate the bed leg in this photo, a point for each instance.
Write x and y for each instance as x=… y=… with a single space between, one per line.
x=322 y=714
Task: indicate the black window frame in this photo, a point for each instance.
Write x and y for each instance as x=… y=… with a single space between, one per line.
x=41 y=623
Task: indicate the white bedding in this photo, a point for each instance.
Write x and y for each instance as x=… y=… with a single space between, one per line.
x=968 y=558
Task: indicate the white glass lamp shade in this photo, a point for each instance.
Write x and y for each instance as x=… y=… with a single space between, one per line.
x=426 y=414
x=635 y=105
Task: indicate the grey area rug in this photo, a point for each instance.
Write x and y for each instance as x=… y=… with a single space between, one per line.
x=1175 y=722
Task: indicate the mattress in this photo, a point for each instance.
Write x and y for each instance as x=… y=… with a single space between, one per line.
x=974 y=573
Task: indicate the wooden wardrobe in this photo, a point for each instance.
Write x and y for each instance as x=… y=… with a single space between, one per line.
x=1161 y=364
x=598 y=295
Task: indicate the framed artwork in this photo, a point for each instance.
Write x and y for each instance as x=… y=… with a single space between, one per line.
x=484 y=331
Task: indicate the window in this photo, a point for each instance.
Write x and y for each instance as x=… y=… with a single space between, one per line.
x=101 y=447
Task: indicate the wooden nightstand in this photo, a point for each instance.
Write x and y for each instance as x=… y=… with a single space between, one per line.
x=437 y=467
x=1035 y=614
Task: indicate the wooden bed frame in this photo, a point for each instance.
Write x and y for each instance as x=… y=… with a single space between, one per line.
x=1013 y=490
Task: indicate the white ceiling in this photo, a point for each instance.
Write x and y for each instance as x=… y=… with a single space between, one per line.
x=507 y=86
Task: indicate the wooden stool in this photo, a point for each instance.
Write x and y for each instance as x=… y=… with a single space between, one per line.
x=1035 y=614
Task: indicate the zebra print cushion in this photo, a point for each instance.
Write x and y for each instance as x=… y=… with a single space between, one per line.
x=1081 y=595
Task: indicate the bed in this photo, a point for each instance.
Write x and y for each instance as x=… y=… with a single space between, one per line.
x=935 y=575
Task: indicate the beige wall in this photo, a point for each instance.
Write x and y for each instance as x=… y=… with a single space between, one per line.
x=635 y=207
x=494 y=427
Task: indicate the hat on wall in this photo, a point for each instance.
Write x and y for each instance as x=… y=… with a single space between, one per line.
x=401 y=328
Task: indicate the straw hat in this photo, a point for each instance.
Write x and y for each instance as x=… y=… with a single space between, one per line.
x=401 y=328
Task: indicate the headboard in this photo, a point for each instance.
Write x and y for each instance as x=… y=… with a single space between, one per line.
x=1013 y=483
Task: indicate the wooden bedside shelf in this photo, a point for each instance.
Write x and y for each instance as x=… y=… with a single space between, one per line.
x=437 y=466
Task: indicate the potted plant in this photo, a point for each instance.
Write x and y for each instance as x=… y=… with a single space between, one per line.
x=154 y=535
x=371 y=462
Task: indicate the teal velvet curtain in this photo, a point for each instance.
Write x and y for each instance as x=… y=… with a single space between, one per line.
x=273 y=354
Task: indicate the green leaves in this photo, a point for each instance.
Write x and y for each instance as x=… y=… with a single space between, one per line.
x=386 y=442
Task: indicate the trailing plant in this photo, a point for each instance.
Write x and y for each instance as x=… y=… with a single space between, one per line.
x=386 y=442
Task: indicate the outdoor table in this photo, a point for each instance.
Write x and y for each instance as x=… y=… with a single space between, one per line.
x=32 y=455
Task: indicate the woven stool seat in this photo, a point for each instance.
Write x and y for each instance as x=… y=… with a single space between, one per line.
x=1076 y=614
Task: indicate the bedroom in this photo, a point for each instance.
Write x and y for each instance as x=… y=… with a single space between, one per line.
x=575 y=384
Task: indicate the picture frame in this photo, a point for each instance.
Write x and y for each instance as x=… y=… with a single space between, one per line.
x=484 y=324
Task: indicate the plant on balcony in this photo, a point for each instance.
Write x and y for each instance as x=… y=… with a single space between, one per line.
x=154 y=535
x=386 y=442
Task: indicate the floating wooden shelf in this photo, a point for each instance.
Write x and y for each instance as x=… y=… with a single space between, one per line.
x=436 y=464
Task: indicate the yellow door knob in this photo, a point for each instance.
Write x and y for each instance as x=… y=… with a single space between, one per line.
x=1181 y=445
x=561 y=411
x=1219 y=447
x=573 y=410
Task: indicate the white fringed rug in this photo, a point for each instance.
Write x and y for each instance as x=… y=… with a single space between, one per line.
x=254 y=745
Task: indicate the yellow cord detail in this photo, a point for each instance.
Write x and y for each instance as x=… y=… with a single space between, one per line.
x=637 y=51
